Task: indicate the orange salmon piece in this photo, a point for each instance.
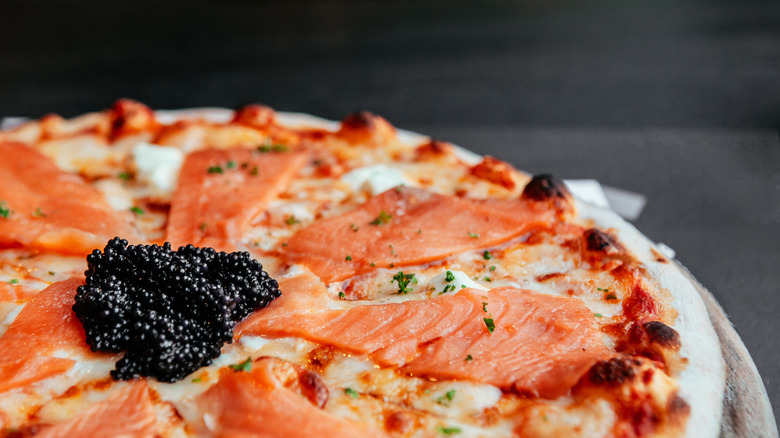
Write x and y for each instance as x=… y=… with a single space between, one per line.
x=128 y=414
x=541 y=344
x=45 y=324
x=408 y=226
x=52 y=209
x=255 y=404
x=221 y=191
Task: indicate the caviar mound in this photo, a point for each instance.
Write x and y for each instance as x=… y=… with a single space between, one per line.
x=169 y=311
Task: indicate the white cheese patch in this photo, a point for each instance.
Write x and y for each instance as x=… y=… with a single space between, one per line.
x=452 y=281
x=158 y=167
x=376 y=178
x=117 y=196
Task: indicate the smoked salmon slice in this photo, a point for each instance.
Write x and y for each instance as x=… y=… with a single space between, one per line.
x=221 y=191
x=407 y=226
x=539 y=344
x=256 y=404
x=45 y=325
x=44 y=207
x=128 y=414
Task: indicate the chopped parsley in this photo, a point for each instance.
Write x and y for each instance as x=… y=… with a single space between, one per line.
x=447 y=288
x=348 y=258
x=38 y=212
x=468 y=358
x=383 y=218
x=203 y=226
x=603 y=290
x=291 y=220
x=392 y=250
x=137 y=210
x=276 y=147
x=354 y=227
x=215 y=169
x=484 y=306
x=197 y=380
x=13 y=281
x=419 y=231
x=403 y=281
x=254 y=171
x=231 y=165
x=351 y=392
x=488 y=279
x=447 y=430
x=372 y=264
x=490 y=324
x=474 y=235
x=342 y=295
x=446 y=398
x=486 y=255
x=492 y=268
x=124 y=175
x=449 y=276
x=598 y=315
x=243 y=366
x=611 y=296
x=51 y=272
x=5 y=211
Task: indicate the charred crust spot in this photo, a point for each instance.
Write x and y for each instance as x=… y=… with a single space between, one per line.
x=601 y=242
x=362 y=126
x=433 y=149
x=678 y=406
x=662 y=334
x=256 y=116
x=359 y=120
x=613 y=372
x=128 y=116
x=495 y=171
x=399 y=421
x=313 y=388
x=546 y=188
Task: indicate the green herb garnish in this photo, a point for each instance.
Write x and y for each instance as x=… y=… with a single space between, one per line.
x=38 y=212
x=447 y=430
x=468 y=358
x=403 y=281
x=291 y=220
x=354 y=227
x=231 y=165
x=490 y=324
x=446 y=398
x=598 y=315
x=351 y=392
x=125 y=176
x=449 y=276
x=342 y=295
x=611 y=296
x=5 y=211
x=383 y=218
x=215 y=169
x=243 y=366
x=474 y=235
x=486 y=255
x=137 y=210
x=348 y=258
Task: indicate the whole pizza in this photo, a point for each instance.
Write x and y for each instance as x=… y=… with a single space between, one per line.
x=257 y=274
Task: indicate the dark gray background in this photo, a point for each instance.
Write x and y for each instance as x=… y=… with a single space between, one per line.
x=677 y=100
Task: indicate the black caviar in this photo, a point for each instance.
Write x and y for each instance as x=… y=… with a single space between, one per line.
x=169 y=311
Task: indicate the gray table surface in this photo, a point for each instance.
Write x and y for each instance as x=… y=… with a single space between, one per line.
x=679 y=101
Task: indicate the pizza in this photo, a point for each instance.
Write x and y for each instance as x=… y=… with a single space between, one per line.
x=251 y=273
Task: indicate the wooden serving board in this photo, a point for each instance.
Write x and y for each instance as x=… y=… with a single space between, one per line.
x=746 y=408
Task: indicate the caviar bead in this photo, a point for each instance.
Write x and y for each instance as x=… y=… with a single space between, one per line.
x=169 y=311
